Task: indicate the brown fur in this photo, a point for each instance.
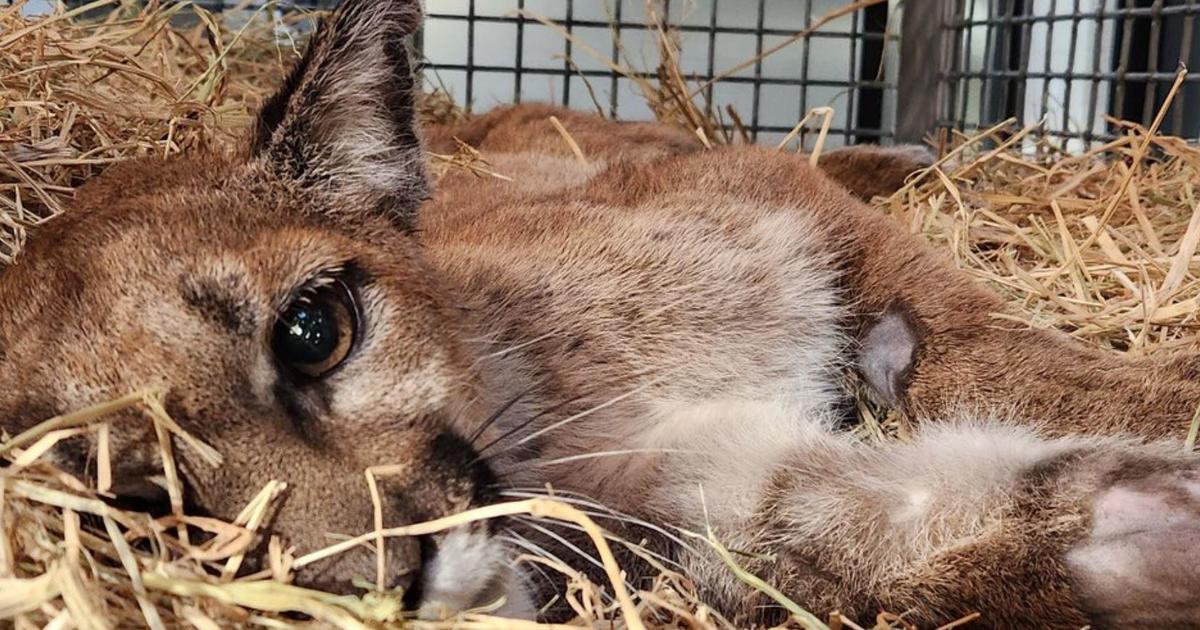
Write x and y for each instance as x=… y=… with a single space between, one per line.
x=866 y=171
x=662 y=329
x=968 y=361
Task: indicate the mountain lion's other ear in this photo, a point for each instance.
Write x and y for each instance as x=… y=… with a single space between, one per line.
x=343 y=124
x=889 y=353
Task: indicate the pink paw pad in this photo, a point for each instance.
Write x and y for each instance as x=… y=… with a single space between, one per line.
x=1141 y=562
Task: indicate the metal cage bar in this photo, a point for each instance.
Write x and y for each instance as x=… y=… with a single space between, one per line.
x=1072 y=65
x=1081 y=64
x=840 y=65
x=709 y=32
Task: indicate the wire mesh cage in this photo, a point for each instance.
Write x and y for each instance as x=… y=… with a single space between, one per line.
x=1075 y=66
x=590 y=55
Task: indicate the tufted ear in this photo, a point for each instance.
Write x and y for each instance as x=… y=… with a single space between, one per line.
x=343 y=125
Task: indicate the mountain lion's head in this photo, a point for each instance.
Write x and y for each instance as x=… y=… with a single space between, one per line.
x=276 y=293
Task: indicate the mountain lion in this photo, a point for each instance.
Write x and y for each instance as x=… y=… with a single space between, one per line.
x=662 y=329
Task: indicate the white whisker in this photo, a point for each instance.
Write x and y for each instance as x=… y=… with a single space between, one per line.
x=583 y=414
x=600 y=511
x=521 y=542
x=524 y=344
x=571 y=546
x=628 y=544
x=629 y=451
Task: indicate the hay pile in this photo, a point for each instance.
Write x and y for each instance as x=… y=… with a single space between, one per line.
x=1101 y=245
x=68 y=558
x=78 y=94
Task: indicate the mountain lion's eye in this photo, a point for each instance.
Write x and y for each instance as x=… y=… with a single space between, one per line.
x=316 y=331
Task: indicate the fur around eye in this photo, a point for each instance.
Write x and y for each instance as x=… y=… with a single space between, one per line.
x=316 y=331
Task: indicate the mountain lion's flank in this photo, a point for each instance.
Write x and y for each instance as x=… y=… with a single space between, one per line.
x=658 y=328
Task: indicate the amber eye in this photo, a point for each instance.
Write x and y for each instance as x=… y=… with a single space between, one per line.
x=315 y=333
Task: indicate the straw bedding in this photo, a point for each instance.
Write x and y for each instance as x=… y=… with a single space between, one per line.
x=1100 y=245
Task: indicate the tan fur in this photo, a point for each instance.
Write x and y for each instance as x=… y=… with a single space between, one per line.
x=663 y=329
x=968 y=361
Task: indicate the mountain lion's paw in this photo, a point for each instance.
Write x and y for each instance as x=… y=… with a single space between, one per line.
x=1140 y=564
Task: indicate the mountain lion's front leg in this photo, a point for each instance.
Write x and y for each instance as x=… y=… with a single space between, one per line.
x=976 y=519
x=931 y=343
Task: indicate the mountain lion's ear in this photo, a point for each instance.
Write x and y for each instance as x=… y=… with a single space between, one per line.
x=343 y=124
x=889 y=352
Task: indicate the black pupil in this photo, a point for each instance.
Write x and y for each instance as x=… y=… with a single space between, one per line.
x=307 y=333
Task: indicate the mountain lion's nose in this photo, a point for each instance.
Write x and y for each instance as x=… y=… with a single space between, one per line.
x=141 y=494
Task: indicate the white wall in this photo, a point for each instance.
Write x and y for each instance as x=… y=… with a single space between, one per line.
x=1050 y=51
x=1049 y=98
x=36 y=7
